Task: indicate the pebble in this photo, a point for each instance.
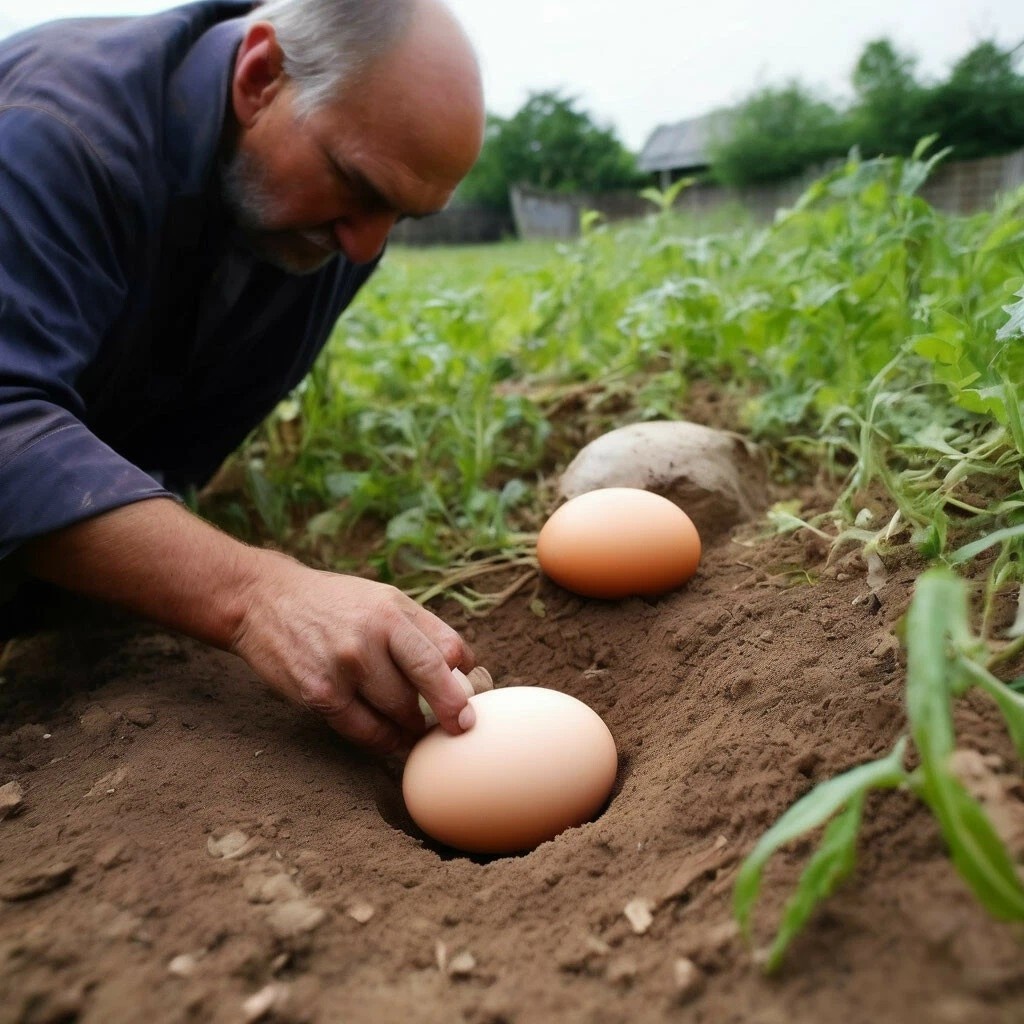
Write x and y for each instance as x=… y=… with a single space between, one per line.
x=270 y=997
x=638 y=913
x=361 y=912
x=274 y=888
x=183 y=966
x=462 y=965
x=295 y=917
x=231 y=846
x=688 y=979
x=12 y=797
x=142 y=717
x=96 y=722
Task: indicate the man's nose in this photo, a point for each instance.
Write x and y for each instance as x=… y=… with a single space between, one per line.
x=362 y=237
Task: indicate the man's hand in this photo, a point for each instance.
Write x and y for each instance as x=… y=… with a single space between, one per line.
x=354 y=651
x=357 y=653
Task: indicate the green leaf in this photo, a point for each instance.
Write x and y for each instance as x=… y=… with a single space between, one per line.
x=975 y=548
x=937 y=620
x=831 y=863
x=977 y=851
x=1011 y=703
x=808 y=813
x=939 y=609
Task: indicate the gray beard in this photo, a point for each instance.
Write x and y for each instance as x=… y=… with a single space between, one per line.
x=252 y=208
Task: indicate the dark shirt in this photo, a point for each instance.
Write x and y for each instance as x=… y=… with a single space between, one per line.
x=139 y=338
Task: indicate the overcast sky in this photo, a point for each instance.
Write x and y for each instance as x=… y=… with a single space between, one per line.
x=635 y=64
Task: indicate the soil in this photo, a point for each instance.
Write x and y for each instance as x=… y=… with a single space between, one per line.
x=191 y=849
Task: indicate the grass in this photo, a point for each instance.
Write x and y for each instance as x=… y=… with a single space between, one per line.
x=862 y=331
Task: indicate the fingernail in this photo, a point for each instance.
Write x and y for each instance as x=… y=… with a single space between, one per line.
x=467 y=718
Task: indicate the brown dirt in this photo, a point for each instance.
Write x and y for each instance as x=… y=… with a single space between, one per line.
x=728 y=700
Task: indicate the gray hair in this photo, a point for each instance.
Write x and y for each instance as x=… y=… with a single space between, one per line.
x=328 y=43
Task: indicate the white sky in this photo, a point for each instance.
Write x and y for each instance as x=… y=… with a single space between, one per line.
x=635 y=64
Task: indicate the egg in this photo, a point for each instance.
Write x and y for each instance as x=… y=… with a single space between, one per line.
x=618 y=542
x=536 y=762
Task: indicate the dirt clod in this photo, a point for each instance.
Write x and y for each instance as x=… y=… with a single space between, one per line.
x=27 y=885
x=12 y=797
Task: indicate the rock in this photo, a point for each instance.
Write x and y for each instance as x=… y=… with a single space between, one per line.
x=272 y=997
x=716 y=477
x=638 y=913
x=95 y=721
x=294 y=918
x=231 y=846
x=28 y=885
x=275 y=888
x=12 y=797
x=361 y=912
x=687 y=978
x=461 y=965
x=142 y=717
x=183 y=966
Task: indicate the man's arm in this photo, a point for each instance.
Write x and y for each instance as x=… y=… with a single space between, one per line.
x=354 y=651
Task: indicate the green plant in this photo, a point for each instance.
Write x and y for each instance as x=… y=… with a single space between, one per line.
x=945 y=660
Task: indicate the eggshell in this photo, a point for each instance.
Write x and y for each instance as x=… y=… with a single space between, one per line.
x=536 y=762
x=619 y=541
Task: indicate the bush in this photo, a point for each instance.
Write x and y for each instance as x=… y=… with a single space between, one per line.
x=776 y=134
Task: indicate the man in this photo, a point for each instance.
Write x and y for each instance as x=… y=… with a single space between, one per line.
x=187 y=203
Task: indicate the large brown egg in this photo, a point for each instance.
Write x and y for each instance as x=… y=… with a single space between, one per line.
x=536 y=762
x=617 y=542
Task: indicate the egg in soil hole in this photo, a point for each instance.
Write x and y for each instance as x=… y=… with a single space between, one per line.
x=619 y=542
x=536 y=762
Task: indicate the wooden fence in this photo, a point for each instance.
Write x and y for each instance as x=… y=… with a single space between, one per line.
x=964 y=186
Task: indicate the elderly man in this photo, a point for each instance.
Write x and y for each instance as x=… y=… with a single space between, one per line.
x=187 y=203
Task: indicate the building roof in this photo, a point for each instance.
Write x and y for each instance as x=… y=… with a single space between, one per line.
x=682 y=145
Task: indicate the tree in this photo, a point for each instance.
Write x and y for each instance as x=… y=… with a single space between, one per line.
x=550 y=144
x=979 y=110
x=888 y=113
x=776 y=134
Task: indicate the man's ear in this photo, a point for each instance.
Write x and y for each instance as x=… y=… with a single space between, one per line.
x=259 y=73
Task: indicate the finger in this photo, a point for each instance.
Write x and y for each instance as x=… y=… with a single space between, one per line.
x=390 y=693
x=454 y=649
x=422 y=663
x=366 y=727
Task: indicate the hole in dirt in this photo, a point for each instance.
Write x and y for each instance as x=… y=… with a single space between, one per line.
x=387 y=794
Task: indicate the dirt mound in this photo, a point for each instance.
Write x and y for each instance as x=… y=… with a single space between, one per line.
x=191 y=849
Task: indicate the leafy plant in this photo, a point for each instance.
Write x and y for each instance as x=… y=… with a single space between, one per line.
x=945 y=660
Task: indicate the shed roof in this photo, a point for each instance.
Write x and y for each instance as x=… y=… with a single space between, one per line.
x=682 y=145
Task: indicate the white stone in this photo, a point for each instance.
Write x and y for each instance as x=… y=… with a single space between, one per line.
x=716 y=477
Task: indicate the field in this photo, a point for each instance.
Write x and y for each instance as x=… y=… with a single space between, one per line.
x=819 y=813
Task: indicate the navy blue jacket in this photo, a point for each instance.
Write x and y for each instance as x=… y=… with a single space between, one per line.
x=138 y=338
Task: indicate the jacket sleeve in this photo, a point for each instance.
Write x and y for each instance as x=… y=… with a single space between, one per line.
x=65 y=240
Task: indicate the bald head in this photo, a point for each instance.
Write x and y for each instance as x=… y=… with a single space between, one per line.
x=426 y=88
x=331 y=148
x=329 y=45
